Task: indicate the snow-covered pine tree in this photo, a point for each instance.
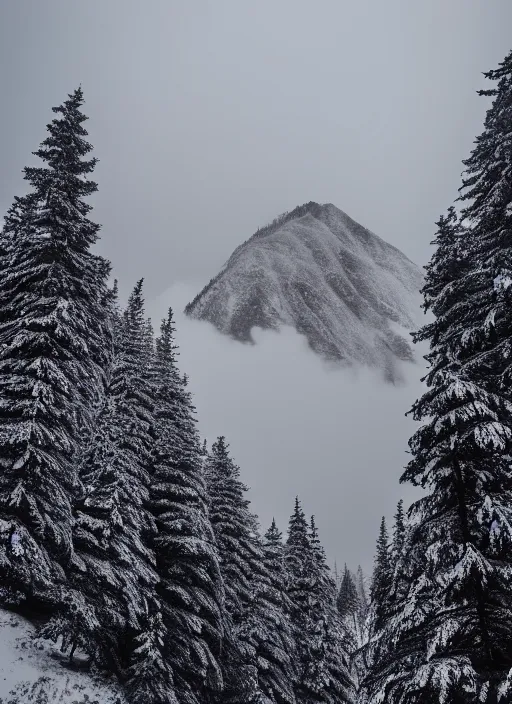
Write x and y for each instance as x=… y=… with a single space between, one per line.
x=354 y=624
x=112 y=576
x=149 y=679
x=98 y=523
x=93 y=615
x=398 y=534
x=487 y=190
x=52 y=354
x=268 y=627
x=449 y=638
x=381 y=579
x=362 y=592
x=241 y=568
x=134 y=404
x=18 y=221
x=397 y=584
x=338 y=685
x=381 y=604
x=300 y=566
x=322 y=662
x=113 y=567
x=190 y=588
x=347 y=599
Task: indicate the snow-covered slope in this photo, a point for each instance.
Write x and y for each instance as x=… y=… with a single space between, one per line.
x=37 y=673
x=350 y=293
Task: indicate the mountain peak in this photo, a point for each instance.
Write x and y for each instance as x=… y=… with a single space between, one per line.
x=333 y=280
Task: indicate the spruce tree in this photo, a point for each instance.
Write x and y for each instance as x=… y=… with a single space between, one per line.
x=269 y=624
x=362 y=591
x=190 y=587
x=381 y=579
x=450 y=637
x=94 y=612
x=241 y=568
x=52 y=354
x=301 y=570
x=337 y=685
x=398 y=534
x=321 y=660
x=114 y=565
x=19 y=222
x=347 y=599
x=133 y=401
x=354 y=626
x=149 y=678
x=487 y=191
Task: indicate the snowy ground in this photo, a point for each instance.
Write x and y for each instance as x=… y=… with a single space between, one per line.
x=36 y=673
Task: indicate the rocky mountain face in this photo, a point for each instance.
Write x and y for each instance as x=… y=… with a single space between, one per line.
x=351 y=294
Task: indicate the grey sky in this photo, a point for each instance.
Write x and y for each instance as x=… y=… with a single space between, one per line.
x=210 y=118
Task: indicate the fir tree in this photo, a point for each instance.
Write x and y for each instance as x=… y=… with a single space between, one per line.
x=97 y=619
x=301 y=567
x=398 y=534
x=321 y=660
x=149 y=676
x=381 y=579
x=241 y=568
x=484 y=311
x=19 y=222
x=130 y=433
x=450 y=636
x=347 y=599
x=269 y=624
x=337 y=685
x=52 y=353
x=190 y=588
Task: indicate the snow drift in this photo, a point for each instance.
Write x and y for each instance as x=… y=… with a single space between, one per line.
x=35 y=672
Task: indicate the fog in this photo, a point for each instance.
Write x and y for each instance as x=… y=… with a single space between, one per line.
x=298 y=426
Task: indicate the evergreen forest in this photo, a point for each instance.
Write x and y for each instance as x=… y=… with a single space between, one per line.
x=132 y=544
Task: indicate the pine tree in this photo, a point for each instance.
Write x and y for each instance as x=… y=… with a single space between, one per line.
x=398 y=534
x=439 y=639
x=301 y=567
x=130 y=546
x=241 y=568
x=381 y=579
x=450 y=637
x=485 y=343
x=93 y=615
x=337 y=685
x=321 y=660
x=190 y=588
x=149 y=676
x=269 y=624
x=114 y=564
x=19 y=222
x=52 y=354
x=347 y=599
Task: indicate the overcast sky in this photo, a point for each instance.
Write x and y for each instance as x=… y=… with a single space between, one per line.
x=211 y=117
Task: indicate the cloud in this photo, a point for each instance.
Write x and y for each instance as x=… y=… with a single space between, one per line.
x=337 y=438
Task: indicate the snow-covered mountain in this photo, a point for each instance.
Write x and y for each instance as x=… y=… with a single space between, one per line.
x=351 y=294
